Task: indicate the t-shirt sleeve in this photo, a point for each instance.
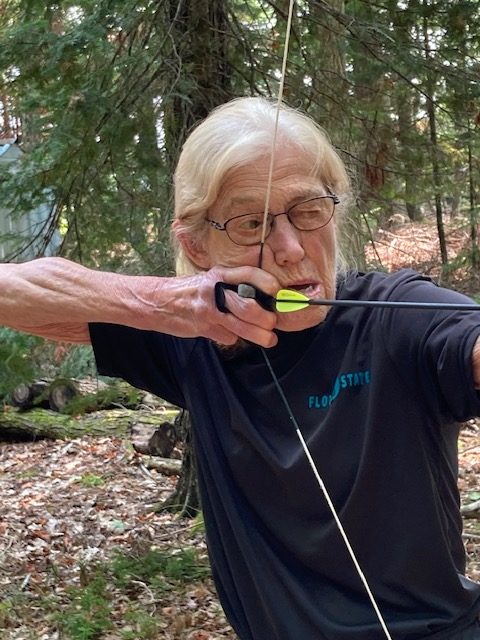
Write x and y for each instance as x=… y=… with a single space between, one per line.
x=147 y=360
x=437 y=343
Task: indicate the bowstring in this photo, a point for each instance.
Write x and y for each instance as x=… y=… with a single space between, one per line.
x=275 y=379
x=278 y=105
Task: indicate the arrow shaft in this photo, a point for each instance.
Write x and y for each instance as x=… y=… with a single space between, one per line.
x=386 y=304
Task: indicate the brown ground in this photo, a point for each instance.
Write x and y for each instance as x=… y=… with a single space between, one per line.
x=55 y=526
x=415 y=245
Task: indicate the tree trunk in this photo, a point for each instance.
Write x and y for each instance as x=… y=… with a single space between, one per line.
x=474 y=239
x=200 y=82
x=41 y=423
x=432 y=122
x=185 y=500
x=406 y=134
x=202 y=79
x=406 y=107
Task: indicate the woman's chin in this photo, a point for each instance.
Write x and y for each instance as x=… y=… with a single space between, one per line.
x=300 y=320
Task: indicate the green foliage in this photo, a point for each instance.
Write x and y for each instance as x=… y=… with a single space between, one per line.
x=16 y=607
x=24 y=358
x=76 y=361
x=8 y=617
x=83 y=611
x=85 y=75
x=88 y=615
x=17 y=363
x=156 y=568
x=198 y=525
x=91 y=480
x=140 y=625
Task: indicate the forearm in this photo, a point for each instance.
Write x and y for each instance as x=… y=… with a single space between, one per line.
x=57 y=299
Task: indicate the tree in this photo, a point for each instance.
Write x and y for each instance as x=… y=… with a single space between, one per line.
x=86 y=81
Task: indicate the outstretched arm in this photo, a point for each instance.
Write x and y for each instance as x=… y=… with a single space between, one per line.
x=56 y=299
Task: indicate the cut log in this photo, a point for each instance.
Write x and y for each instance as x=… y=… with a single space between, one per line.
x=167 y=466
x=27 y=396
x=119 y=394
x=154 y=440
x=470 y=510
x=76 y=397
x=61 y=393
x=42 y=423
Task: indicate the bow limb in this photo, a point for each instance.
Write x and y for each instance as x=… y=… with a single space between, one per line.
x=275 y=129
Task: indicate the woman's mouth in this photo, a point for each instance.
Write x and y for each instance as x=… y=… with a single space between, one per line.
x=307 y=288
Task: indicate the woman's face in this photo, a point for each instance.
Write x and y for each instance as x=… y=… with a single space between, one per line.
x=302 y=260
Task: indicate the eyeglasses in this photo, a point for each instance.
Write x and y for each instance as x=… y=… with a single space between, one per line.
x=308 y=215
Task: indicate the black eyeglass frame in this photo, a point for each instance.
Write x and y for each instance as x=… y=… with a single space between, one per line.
x=219 y=226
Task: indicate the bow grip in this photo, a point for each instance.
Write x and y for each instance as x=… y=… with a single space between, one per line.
x=244 y=290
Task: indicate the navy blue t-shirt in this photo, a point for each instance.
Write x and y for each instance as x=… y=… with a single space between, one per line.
x=377 y=394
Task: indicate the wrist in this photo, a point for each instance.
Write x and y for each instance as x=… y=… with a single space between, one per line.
x=162 y=304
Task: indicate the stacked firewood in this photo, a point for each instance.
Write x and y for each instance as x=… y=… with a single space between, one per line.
x=68 y=408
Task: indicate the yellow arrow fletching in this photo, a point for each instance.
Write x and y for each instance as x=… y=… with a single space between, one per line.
x=290 y=300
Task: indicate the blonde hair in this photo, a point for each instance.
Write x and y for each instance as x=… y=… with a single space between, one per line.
x=234 y=135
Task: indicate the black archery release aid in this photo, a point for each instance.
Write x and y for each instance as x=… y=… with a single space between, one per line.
x=244 y=290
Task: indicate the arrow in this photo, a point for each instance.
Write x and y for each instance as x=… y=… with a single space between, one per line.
x=289 y=300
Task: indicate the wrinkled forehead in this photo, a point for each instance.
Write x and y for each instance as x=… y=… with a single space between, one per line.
x=290 y=178
x=295 y=193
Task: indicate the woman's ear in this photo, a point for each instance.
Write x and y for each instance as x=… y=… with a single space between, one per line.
x=194 y=247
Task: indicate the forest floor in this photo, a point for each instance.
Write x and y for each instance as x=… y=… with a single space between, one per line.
x=415 y=245
x=83 y=555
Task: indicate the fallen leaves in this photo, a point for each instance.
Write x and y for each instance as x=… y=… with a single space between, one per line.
x=67 y=506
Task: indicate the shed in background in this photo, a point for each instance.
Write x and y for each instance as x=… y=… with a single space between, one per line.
x=28 y=229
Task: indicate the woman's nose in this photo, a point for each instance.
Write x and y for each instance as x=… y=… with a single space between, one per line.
x=285 y=241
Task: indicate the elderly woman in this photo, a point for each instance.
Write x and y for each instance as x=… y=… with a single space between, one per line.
x=377 y=392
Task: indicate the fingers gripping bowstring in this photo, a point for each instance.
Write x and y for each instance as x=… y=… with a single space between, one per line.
x=277 y=384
